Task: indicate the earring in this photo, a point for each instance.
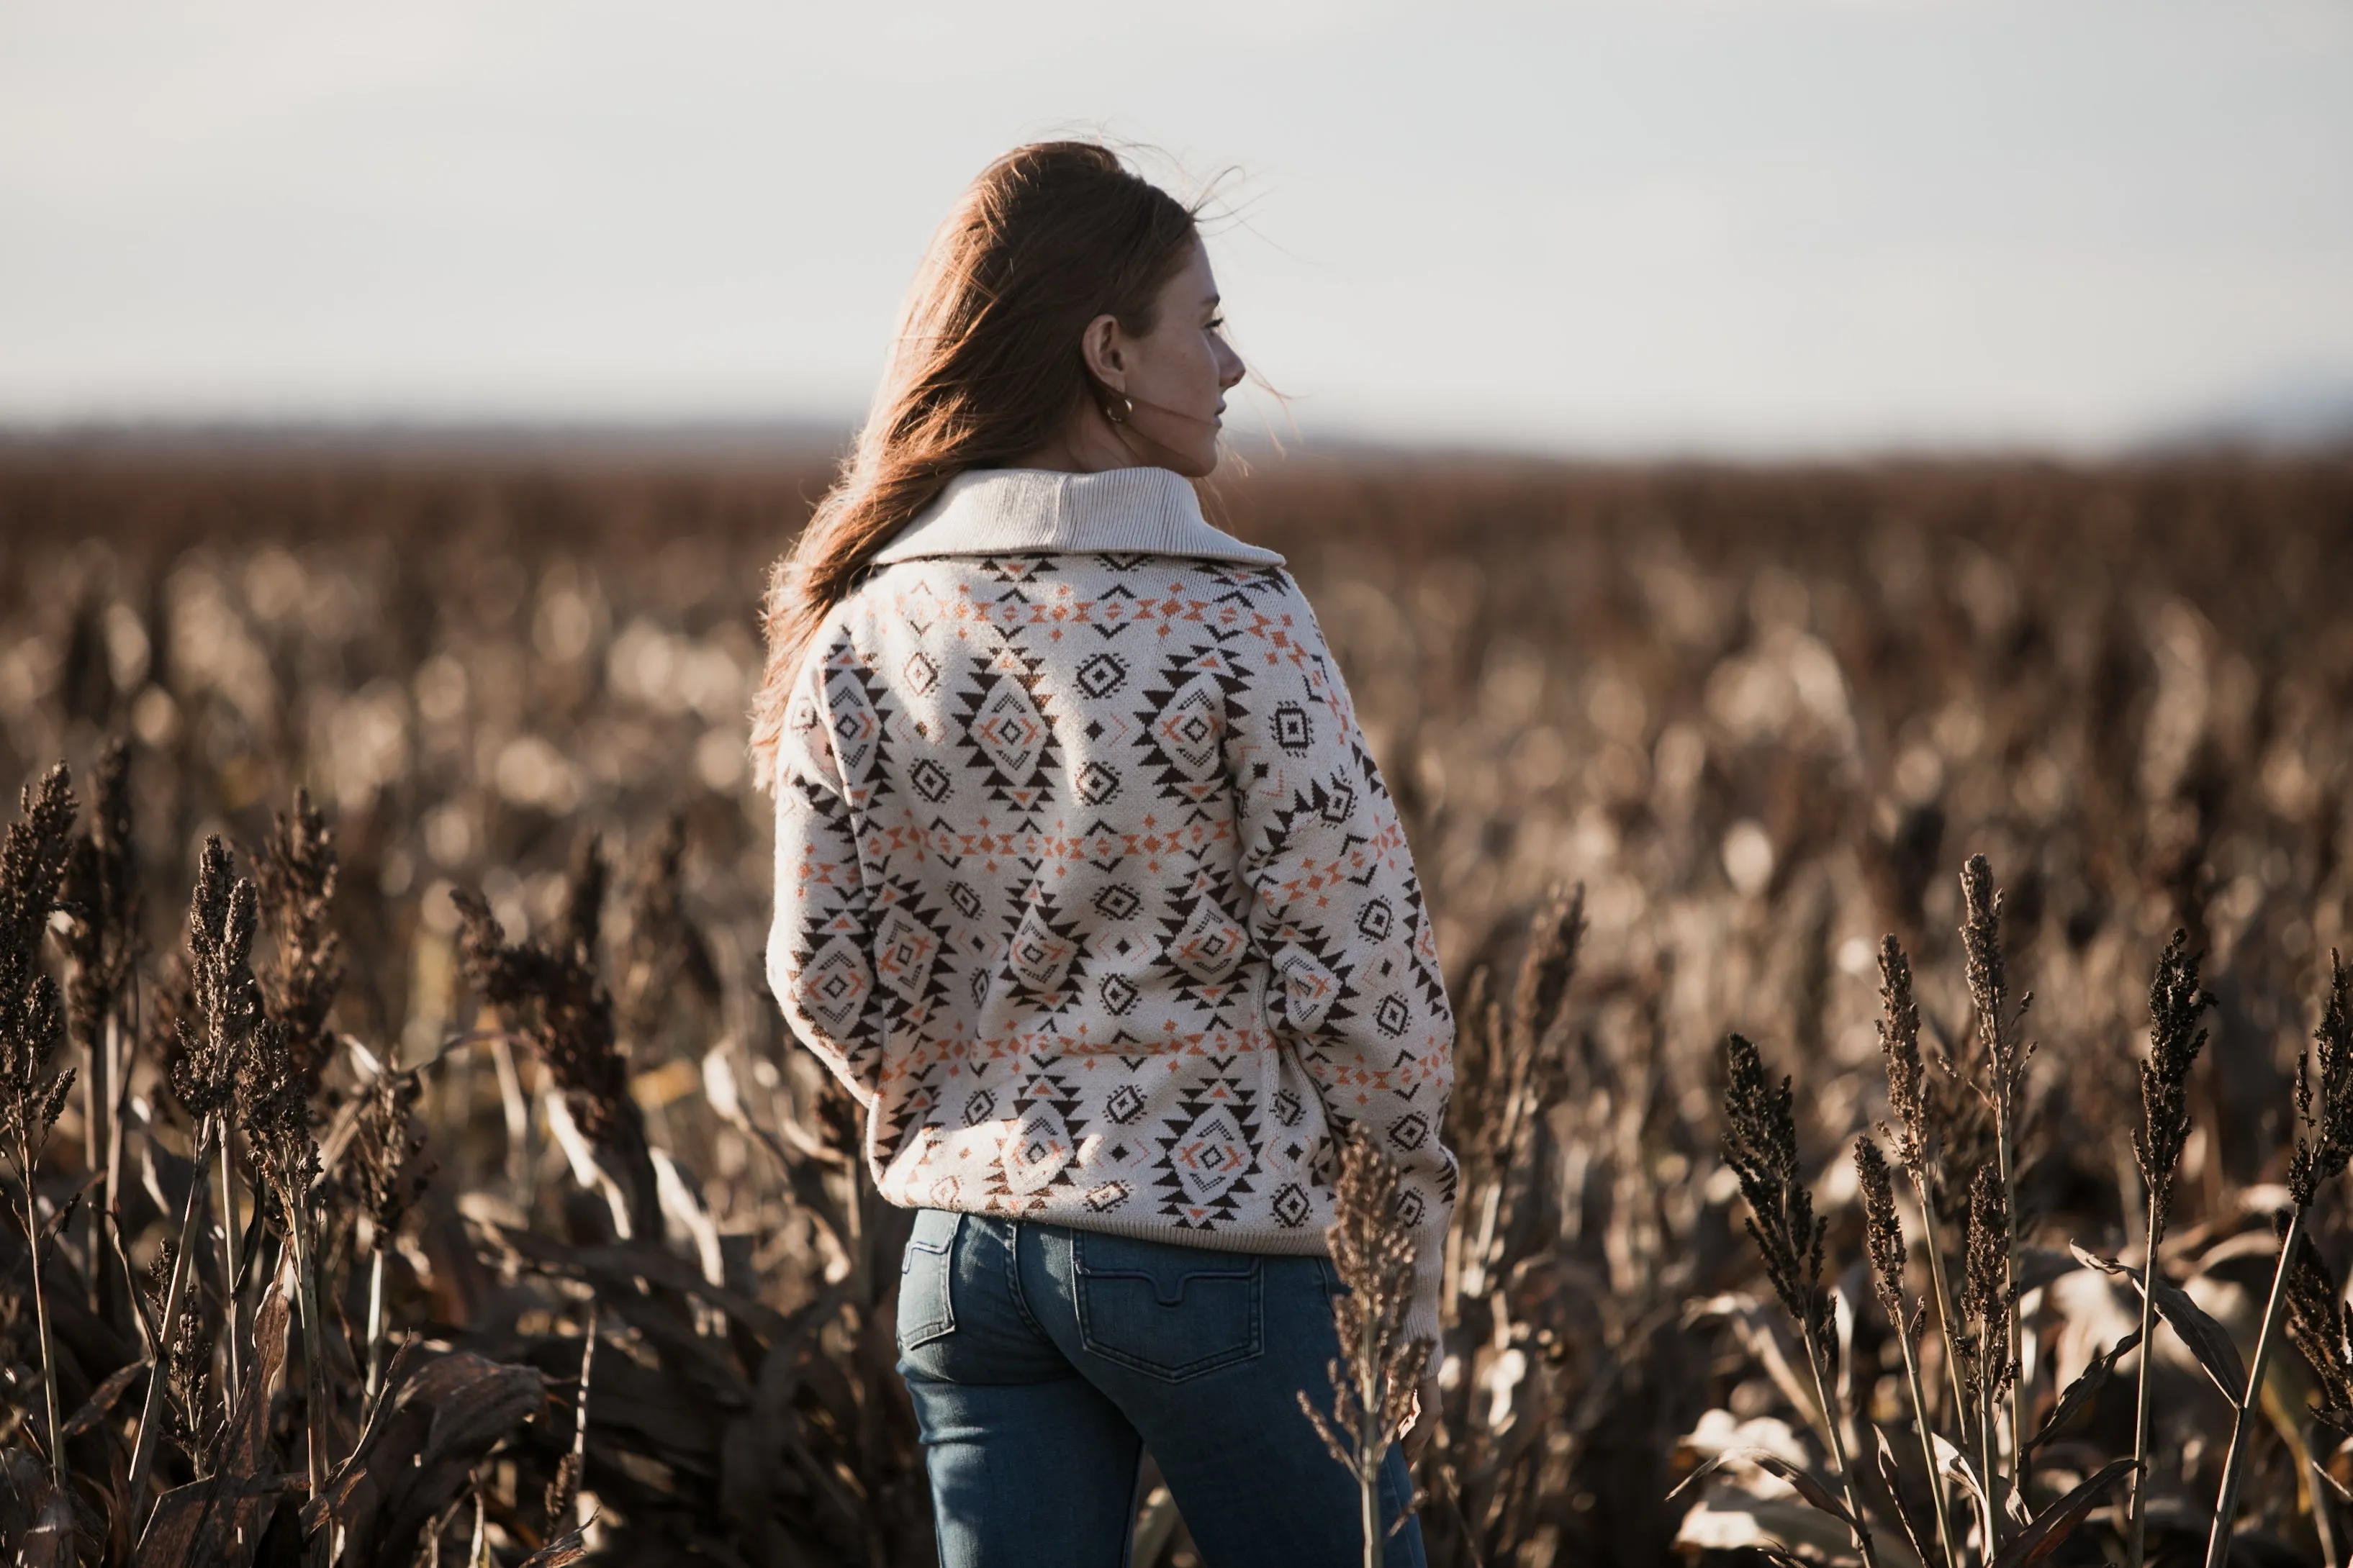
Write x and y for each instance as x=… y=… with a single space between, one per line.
x=1126 y=409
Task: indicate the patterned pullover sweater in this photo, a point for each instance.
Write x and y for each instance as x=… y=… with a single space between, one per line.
x=1087 y=885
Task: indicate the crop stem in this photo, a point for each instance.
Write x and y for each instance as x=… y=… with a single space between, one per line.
x=97 y=1099
x=314 y=1381
x=41 y=1315
x=230 y=1265
x=2136 y=1533
x=1832 y=1426
x=1987 y=1424
x=2003 y=1138
x=1928 y=1447
x=2242 y=1420
x=375 y=1333
x=1368 y=1438
x=142 y=1450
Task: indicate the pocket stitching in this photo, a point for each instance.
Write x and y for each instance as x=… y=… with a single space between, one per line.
x=1252 y=1346
x=944 y=1322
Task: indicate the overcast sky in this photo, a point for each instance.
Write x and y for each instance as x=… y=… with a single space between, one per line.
x=1756 y=224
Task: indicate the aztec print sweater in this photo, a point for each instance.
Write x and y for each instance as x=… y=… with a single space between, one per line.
x=1087 y=885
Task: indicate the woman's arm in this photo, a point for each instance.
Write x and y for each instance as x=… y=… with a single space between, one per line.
x=818 y=965
x=1338 y=913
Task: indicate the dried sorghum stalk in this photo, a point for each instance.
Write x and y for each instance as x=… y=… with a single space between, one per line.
x=564 y=1491
x=1990 y=1300
x=1519 y=1074
x=2175 y=1038
x=1899 y=1042
x=1883 y=1238
x=2320 y=1326
x=223 y=1008
x=1379 y=1369
x=274 y=1113
x=32 y=1025
x=552 y=992
x=1548 y=966
x=100 y=897
x=296 y=875
x=666 y=950
x=195 y=1422
x=224 y=1002
x=1919 y=1141
x=1760 y=1145
x=2006 y=1056
x=2324 y=1141
x=1883 y=1233
x=386 y=1173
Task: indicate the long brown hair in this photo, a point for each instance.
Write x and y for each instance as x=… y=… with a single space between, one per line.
x=986 y=367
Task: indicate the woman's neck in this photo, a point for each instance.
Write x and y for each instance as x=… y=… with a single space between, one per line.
x=1088 y=444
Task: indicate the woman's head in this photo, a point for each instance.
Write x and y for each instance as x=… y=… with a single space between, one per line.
x=1064 y=316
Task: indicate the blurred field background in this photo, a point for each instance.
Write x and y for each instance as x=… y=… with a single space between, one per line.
x=1761 y=714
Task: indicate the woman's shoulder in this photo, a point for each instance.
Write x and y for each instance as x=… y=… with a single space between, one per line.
x=889 y=589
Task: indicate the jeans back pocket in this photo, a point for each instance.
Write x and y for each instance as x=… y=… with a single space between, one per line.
x=926 y=1300
x=1172 y=1311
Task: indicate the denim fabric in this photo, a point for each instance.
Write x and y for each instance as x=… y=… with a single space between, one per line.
x=1043 y=1360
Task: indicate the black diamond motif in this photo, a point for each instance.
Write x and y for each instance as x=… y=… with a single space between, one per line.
x=1118 y=901
x=1409 y=1209
x=1097 y=784
x=931 y=780
x=1117 y=994
x=978 y=1107
x=1291 y=1207
x=967 y=901
x=1291 y=730
x=1409 y=1131
x=1125 y=1104
x=1373 y=920
x=921 y=673
x=1392 y=1016
x=1102 y=675
x=1287 y=1108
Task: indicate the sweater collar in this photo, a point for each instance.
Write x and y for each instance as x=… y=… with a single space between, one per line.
x=993 y=512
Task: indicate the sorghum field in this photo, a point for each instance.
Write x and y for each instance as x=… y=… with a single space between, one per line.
x=407 y=914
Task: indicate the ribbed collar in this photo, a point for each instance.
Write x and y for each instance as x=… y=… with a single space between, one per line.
x=990 y=511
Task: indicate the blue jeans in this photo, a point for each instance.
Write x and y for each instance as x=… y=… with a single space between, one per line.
x=1044 y=1359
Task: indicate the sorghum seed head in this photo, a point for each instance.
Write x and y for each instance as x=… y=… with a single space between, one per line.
x=1899 y=1041
x=1882 y=1232
x=2175 y=1038
x=2325 y=1141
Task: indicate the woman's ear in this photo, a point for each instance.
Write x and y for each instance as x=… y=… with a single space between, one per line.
x=1098 y=345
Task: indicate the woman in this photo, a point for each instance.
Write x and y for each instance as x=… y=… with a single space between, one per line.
x=1088 y=888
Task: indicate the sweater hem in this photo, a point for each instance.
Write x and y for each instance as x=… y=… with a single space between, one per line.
x=1422 y=1317
x=1273 y=1240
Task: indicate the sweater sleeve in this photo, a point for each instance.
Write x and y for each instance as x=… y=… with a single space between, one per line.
x=818 y=947
x=1337 y=910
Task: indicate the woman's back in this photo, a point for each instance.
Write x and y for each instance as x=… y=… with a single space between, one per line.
x=1090 y=890
x=1088 y=885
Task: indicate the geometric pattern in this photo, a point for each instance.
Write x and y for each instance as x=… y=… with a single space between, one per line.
x=1089 y=888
